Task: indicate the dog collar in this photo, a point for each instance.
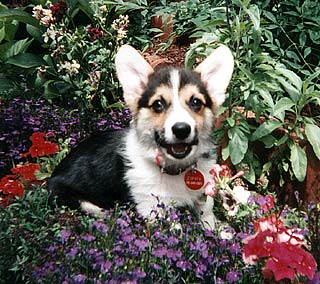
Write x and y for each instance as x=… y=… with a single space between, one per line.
x=175 y=171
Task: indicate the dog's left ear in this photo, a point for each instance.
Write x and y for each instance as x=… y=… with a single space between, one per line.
x=216 y=71
x=133 y=73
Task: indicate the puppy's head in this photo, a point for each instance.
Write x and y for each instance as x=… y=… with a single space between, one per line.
x=173 y=108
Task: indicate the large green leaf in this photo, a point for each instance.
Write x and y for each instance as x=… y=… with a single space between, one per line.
x=281 y=106
x=313 y=135
x=14 y=48
x=265 y=128
x=299 y=162
x=21 y=16
x=238 y=145
x=26 y=60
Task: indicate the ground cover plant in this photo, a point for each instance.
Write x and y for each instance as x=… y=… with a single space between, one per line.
x=57 y=85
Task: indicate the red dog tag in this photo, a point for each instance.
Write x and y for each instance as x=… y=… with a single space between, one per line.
x=194 y=179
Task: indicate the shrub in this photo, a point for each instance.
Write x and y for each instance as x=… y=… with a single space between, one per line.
x=267 y=102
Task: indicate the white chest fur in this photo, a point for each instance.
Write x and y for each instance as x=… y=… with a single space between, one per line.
x=148 y=185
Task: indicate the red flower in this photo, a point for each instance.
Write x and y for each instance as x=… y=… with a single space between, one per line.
x=280 y=269
x=58 y=10
x=268 y=203
x=94 y=33
x=10 y=187
x=26 y=171
x=40 y=147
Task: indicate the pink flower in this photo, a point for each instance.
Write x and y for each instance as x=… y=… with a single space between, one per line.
x=280 y=247
x=210 y=188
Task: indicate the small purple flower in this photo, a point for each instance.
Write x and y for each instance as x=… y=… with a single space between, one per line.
x=65 y=235
x=100 y=226
x=73 y=252
x=235 y=249
x=232 y=276
x=88 y=238
x=142 y=244
x=159 y=252
x=128 y=238
x=174 y=254
x=106 y=266
x=183 y=264
x=156 y=266
x=139 y=273
x=200 y=269
x=172 y=241
x=80 y=278
x=52 y=249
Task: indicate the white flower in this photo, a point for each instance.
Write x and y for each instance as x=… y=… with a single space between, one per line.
x=240 y=194
x=43 y=15
x=50 y=34
x=71 y=68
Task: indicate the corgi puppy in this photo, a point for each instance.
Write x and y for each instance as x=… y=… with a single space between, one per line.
x=167 y=152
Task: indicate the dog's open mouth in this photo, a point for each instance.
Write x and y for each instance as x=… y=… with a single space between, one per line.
x=176 y=150
x=179 y=150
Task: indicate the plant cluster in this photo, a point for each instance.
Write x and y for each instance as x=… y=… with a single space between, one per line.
x=171 y=248
x=23 y=175
x=270 y=105
x=68 y=51
x=20 y=118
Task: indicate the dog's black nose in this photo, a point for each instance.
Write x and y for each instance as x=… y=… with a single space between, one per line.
x=181 y=130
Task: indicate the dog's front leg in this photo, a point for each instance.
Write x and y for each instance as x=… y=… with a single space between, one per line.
x=207 y=217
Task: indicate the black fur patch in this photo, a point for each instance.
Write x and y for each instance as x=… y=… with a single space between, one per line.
x=162 y=77
x=93 y=171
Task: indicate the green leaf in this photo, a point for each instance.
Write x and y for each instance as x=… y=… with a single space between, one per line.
x=238 y=145
x=26 y=60
x=2 y=33
x=291 y=76
x=306 y=52
x=15 y=48
x=298 y=160
x=313 y=135
x=254 y=14
x=284 y=104
x=265 y=128
x=21 y=16
x=35 y=33
x=5 y=84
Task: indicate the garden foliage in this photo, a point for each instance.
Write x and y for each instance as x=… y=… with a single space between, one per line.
x=57 y=77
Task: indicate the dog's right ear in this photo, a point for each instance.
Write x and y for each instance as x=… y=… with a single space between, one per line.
x=133 y=73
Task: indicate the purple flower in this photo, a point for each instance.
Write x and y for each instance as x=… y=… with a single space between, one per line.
x=139 y=273
x=200 y=269
x=106 y=266
x=172 y=241
x=88 y=238
x=183 y=264
x=174 y=254
x=100 y=226
x=142 y=244
x=80 y=278
x=235 y=249
x=232 y=276
x=159 y=252
x=73 y=252
x=65 y=234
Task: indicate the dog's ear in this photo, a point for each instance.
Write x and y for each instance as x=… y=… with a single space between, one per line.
x=216 y=71
x=133 y=73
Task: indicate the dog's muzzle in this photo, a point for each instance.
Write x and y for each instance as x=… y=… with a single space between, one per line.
x=178 y=150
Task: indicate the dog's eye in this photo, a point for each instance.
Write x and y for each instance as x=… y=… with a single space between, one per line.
x=195 y=104
x=159 y=106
